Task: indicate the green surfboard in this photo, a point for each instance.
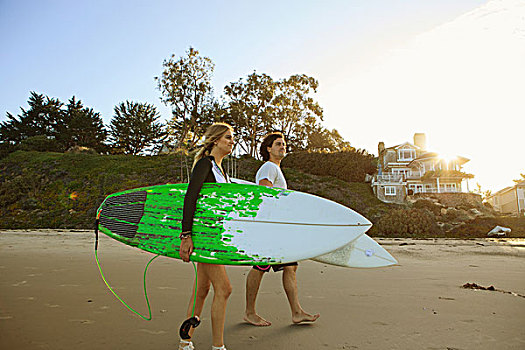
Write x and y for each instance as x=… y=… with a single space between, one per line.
x=233 y=224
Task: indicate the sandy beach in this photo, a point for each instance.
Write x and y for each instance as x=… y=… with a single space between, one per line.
x=52 y=297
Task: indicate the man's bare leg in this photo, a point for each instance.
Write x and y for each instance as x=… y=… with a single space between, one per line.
x=290 y=287
x=253 y=282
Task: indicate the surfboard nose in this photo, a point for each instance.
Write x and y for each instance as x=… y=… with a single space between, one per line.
x=121 y=214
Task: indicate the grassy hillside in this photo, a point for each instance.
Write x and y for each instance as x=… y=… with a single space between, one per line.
x=63 y=190
x=60 y=190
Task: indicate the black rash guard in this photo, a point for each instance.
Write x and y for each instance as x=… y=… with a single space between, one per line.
x=202 y=173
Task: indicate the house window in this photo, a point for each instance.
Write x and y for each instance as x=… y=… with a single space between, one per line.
x=406 y=154
x=390 y=191
x=403 y=172
x=448 y=187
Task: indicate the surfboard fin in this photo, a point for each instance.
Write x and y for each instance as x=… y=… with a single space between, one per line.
x=186 y=326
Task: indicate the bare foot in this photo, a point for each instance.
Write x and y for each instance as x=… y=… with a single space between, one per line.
x=256 y=320
x=304 y=317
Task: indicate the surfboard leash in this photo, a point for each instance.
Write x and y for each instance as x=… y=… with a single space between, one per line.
x=193 y=321
x=111 y=289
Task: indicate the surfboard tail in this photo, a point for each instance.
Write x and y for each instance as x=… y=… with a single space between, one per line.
x=364 y=252
x=119 y=216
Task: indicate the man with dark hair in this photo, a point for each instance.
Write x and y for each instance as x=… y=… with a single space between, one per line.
x=273 y=150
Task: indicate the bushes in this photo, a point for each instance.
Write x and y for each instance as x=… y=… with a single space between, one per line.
x=407 y=223
x=349 y=166
x=40 y=143
x=479 y=227
x=429 y=205
x=63 y=190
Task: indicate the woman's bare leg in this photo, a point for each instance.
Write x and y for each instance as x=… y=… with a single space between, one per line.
x=203 y=287
x=221 y=292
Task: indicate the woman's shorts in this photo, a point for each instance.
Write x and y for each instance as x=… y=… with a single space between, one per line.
x=276 y=268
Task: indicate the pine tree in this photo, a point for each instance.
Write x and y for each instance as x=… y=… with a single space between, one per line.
x=81 y=126
x=135 y=127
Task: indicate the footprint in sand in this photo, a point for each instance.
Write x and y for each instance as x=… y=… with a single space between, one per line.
x=19 y=284
x=152 y=332
x=82 y=321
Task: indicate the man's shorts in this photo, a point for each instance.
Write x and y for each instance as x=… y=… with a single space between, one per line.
x=276 y=268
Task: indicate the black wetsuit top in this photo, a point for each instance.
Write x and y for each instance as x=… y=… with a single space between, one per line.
x=201 y=173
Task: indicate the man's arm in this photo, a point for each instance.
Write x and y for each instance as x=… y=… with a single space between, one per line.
x=265 y=182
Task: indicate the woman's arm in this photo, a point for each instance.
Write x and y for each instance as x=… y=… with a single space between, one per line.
x=198 y=176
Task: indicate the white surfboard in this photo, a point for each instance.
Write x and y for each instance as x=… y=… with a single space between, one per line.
x=294 y=226
x=364 y=252
x=361 y=252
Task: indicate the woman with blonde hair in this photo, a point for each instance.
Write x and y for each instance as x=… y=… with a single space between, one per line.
x=218 y=143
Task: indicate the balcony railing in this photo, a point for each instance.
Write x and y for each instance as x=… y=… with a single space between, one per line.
x=389 y=178
x=434 y=190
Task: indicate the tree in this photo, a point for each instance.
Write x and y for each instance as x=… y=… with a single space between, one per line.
x=297 y=114
x=135 y=127
x=185 y=85
x=250 y=109
x=41 y=118
x=81 y=126
x=320 y=139
x=258 y=104
x=520 y=180
x=484 y=194
x=48 y=126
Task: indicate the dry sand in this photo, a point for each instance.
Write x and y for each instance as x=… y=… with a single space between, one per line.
x=52 y=297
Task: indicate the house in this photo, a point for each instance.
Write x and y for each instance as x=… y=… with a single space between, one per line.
x=510 y=200
x=408 y=169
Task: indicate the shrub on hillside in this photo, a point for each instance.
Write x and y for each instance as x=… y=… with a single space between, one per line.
x=349 y=166
x=429 y=205
x=81 y=149
x=479 y=227
x=407 y=223
x=39 y=143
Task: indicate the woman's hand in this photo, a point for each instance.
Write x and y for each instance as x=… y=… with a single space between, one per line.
x=186 y=248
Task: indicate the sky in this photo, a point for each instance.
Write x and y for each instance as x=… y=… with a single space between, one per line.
x=386 y=69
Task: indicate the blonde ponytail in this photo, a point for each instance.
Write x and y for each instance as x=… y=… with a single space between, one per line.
x=213 y=133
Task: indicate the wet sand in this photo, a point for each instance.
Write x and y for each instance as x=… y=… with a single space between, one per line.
x=52 y=297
